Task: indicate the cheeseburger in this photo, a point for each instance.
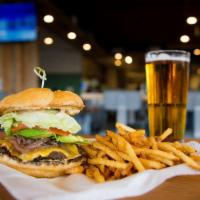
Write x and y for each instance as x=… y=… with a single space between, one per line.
x=38 y=132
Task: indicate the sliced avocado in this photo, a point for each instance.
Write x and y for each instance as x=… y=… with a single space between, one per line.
x=34 y=133
x=71 y=139
x=38 y=133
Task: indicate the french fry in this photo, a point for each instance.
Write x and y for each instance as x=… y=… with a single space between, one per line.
x=124 y=156
x=105 y=141
x=150 y=164
x=116 y=156
x=118 y=143
x=165 y=134
x=98 y=176
x=177 y=145
x=93 y=172
x=153 y=143
x=189 y=161
x=112 y=169
x=130 y=134
x=137 y=140
x=127 y=148
x=126 y=137
x=113 y=139
x=101 y=154
x=89 y=172
x=117 y=174
x=110 y=163
x=138 y=133
x=111 y=178
x=107 y=172
x=123 y=129
x=127 y=171
x=184 y=148
x=89 y=150
x=146 y=163
x=107 y=150
x=160 y=153
x=162 y=160
x=188 y=149
x=196 y=157
x=102 y=168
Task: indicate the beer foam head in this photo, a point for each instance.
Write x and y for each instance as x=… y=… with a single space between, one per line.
x=156 y=56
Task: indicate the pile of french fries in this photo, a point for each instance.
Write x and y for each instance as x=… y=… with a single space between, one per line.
x=129 y=151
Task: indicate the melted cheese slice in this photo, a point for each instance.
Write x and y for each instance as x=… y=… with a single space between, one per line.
x=69 y=150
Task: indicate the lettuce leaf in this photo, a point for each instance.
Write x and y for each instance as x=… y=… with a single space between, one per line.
x=7 y=126
x=44 y=119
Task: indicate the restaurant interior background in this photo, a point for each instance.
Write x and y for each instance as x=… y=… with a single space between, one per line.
x=97 y=48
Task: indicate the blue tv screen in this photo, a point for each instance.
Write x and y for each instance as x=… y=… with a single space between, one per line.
x=18 y=22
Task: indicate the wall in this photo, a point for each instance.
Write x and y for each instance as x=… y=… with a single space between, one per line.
x=60 y=57
x=62 y=62
x=17 y=61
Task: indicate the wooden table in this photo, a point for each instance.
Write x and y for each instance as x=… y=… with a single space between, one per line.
x=181 y=187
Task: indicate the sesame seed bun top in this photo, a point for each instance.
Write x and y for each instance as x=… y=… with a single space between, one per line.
x=42 y=98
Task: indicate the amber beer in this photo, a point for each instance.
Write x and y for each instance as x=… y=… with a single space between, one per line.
x=167 y=78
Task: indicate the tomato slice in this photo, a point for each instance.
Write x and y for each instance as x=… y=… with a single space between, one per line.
x=53 y=130
x=18 y=128
x=2 y=134
x=59 y=131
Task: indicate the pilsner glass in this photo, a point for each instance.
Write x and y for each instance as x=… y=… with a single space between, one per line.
x=167 y=79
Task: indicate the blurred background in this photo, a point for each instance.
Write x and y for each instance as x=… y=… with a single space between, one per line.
x=96 y=49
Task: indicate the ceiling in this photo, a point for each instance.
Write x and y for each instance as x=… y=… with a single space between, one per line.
x=135 y=25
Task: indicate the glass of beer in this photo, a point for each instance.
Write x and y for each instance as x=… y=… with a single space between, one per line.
x=167 y=79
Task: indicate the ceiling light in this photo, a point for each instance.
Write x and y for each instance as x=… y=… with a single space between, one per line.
x=196 y=52
x=48 y=18
x=71 y=35
x=48 y=40
x=184 y=38
x=118 y=56
x=191 y=20
x=128 y=60
x=117 y=63
x=87 y=47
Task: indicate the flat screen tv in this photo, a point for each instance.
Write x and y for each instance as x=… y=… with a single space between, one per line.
x=18 y=22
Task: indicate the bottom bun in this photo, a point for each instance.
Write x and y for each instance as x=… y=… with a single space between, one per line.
x=43 y=170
